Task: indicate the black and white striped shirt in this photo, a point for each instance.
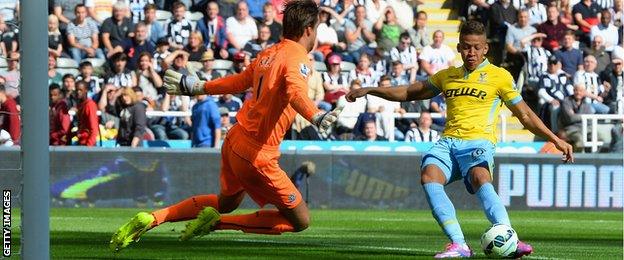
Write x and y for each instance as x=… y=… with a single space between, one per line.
x=605 y=4
x=591 y=80
x=417 y=135
x=537 y=62
x=537 y=14
x=554 y=86
x=179 y=31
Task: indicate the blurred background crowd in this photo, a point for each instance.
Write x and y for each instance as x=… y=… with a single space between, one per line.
x=107 y=58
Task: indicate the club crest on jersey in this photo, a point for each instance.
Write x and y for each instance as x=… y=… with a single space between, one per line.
x=292 y=197
x=482 y=77
x=304 y=70
x=266 y=61
x=477 y=153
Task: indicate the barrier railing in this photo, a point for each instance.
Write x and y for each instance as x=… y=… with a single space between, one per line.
x=594 y=143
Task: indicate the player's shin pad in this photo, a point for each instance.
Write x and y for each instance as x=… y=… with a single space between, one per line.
x=325 y=120
x=180 y=84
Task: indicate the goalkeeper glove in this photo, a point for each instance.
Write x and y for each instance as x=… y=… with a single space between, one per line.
x=324 y=120
x=180 y=84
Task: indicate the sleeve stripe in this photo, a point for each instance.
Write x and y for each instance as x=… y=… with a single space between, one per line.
x=515 y=100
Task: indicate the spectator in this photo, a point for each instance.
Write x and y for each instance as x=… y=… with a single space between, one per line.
x=99 y=10
x=435 y=57
x=137 y=9
x=370 y=133
x=60 y=123
x=116 y=29
x=570 y=57
x=9 y=115
x=6 y=36
x=595 y=91
x=206 y=72
x=230 y=102
x=423 y=133
x=326 y=37
x=82 y=36
x=399 y=77
x=226 y=123
x=241 y=61
x=419 y=33
x=617 y=15
x=364 y=72
x=565 y=15
x=337 y=23
x=613 y=81
x=375 y=9
x=132 y=119
x=173 y=127
x=212 y=28
x=606 y=30
x=53 y=75
x=178 y=28
x=256 y=9
x=195 y=47
x=405 y=53
x=55 y=39
x=240 y=28
x=316 y=92
x=537 y=60
x=597 y=50
x=388 y=30
x=161 y=53
x=253 y=47
x=64 y=10
x=537 y=12
x=586 y=14
x=132 y=47
x=69 y=88
x=206 y=128
x=384 y=112
x=12 y=77
x=88 y=126
x=359 y=34
x=120 y=75
x=106 y=105
x=178 y=61
x=269 y=20
x=553 y=29
x=346 y=121
x=86 y=74
x=334 y=82
x=155 y=30
x=148 y=79
x=572 y=108
x=502 y=15
x=438 y=105
x=515 y=44
x=9 y=9
x=554 y=86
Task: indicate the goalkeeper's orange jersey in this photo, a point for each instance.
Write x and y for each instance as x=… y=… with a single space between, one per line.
x=278 y=78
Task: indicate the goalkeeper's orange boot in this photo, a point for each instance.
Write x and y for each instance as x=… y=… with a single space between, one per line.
x=131 y=231
x=204 y=223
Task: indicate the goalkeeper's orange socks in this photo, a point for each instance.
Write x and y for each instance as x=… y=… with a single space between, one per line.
x=186 y=209
x=260 y=222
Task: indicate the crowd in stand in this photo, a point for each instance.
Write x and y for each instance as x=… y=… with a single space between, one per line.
x=565 y=55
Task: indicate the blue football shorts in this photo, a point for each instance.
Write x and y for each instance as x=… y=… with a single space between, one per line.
x=455 y=157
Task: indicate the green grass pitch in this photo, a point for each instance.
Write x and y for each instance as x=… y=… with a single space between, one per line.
x=83 y=233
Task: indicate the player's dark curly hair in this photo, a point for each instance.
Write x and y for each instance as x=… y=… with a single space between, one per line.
x=472 y=28
x=298 y=15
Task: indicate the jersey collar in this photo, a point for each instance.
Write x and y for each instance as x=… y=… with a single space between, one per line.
x=483 y=64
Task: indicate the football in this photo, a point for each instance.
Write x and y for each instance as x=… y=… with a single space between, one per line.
x=499 y=241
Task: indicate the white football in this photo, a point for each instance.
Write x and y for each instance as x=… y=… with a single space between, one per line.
x=499 y=240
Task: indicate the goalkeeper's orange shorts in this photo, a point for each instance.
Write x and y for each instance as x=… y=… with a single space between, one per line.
x=254 y=169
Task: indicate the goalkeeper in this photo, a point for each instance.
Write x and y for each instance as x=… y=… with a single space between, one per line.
x=250 y=152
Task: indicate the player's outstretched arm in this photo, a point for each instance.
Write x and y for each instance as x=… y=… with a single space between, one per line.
x=526 y=116
x=416 y=91
x=180 y=84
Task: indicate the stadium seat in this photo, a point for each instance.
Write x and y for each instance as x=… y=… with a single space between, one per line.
x=320 y=66
x=347 y=66
x=194 y=16
x=222 y=66
x=64 y=71
x=163 y=16
x=96 y=62
x=66 y=63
